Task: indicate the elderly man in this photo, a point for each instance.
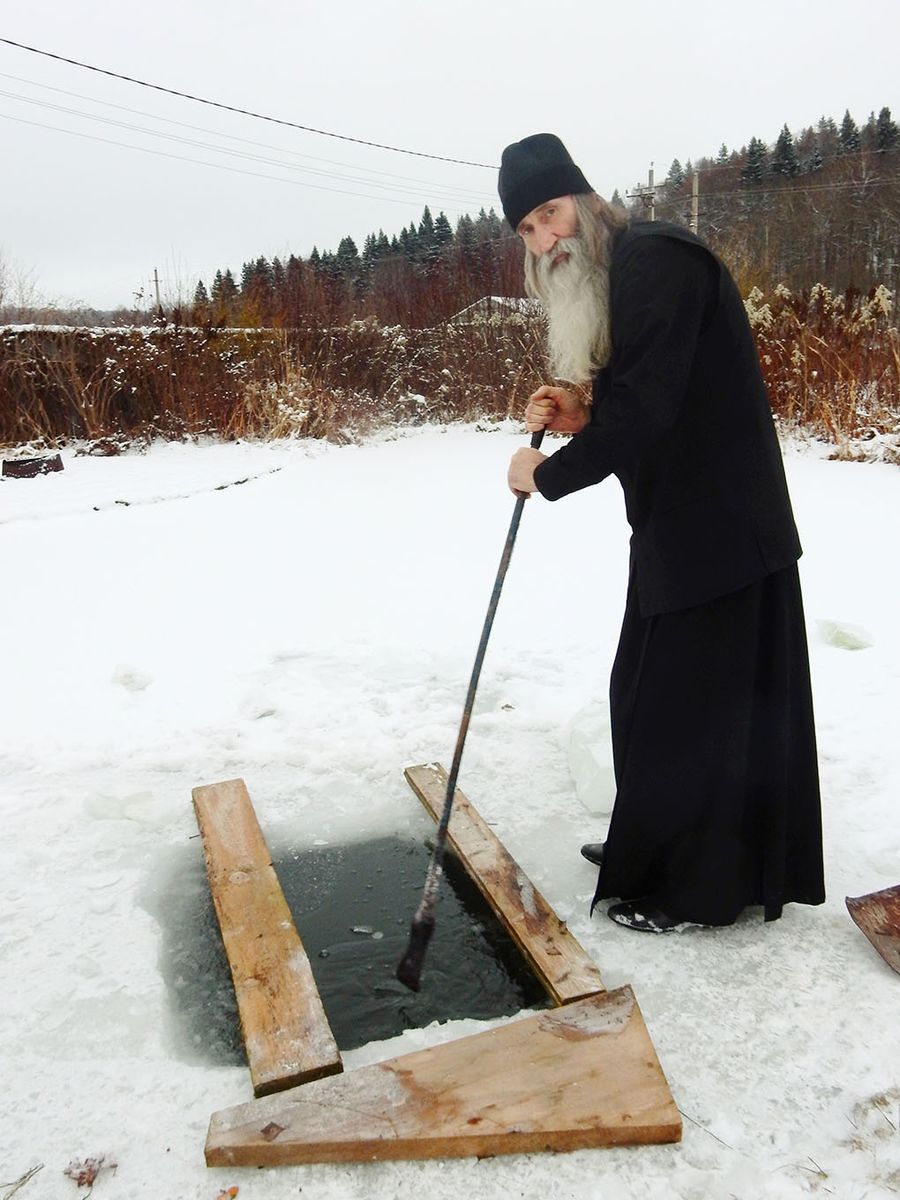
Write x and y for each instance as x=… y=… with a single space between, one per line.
x=717 y=804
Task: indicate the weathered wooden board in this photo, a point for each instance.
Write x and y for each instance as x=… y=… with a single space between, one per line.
x=878 y=916
x=286 y=1033
x=554 y=954
x=585 y=1074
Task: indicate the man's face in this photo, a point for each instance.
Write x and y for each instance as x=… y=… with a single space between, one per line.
x=545 y=225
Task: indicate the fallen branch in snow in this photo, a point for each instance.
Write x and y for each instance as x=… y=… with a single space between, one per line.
x=21 y=1181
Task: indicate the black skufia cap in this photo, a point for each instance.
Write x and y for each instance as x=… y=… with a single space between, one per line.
x=535 y=170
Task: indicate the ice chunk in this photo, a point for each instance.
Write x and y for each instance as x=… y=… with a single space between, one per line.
x=589 y=750
x=843 y=636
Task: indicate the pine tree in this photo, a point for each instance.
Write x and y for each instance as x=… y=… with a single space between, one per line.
x=368 y=258
x=223 y=296
x=848 y=135
x=229 y=287
x=755 y=161
x=328 y=266
x=617 y=199
x=868 y=135
x=465 y=233
x=409 y=243
x=675 y=177
x=200 y=308
x=828 y=137
x=425 y=236
x=346 y=260
x=815 y=162
x=247 y=270
x=886 y=133
x=784 y=158
x=443 y=234
x=722 y=156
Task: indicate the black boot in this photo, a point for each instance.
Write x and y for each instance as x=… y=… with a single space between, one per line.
x=642 y=915
x=593 y=852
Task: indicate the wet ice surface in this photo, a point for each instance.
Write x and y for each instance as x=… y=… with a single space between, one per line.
x=352 y=905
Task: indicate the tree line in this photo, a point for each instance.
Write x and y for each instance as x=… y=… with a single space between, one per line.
x=821 y=206
x=818 y=206
x=418 y=277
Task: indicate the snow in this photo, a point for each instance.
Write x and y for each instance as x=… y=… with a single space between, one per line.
x=312 y=631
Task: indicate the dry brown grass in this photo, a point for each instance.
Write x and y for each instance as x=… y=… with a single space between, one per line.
x=832 y=365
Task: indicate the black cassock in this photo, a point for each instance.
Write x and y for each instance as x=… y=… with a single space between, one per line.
x=717 y=802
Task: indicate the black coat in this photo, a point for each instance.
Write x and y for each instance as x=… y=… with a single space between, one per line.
x=682 y=418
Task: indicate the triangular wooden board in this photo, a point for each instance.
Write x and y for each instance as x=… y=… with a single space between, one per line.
x=582 y=1075
x=286 y=1033
x=552 y=952
x=878 y=916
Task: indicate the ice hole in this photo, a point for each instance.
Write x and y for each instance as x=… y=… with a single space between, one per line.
x=352 y=906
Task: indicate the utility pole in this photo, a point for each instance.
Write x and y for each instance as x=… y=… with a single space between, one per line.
x=647 y=195
x=695 y=201
x=159 y=308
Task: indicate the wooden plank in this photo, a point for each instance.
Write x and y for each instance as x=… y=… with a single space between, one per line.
x=553 y=953
x=286 y=1033
x=582 y=1075
x=878 y=916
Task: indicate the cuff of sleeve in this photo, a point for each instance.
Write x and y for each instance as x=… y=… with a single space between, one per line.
x=549 y=479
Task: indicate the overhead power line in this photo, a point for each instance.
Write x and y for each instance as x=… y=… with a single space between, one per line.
x=434 y=191
x=243 y=111
x=231 y=137
x=319 y=187
x=800 y=188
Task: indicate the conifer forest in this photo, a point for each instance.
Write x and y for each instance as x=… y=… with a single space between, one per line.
x=430 y=322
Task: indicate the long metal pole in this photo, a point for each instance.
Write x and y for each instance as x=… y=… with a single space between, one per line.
x=410 y=967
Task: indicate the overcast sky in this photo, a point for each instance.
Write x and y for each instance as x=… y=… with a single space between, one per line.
x=87 y=212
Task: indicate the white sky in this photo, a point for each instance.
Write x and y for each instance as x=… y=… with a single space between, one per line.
x=622 y=84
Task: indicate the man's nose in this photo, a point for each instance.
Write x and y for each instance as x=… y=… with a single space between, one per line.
x=547 y=239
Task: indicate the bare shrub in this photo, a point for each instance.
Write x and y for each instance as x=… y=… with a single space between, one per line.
x=831 y=361
x=831 y=364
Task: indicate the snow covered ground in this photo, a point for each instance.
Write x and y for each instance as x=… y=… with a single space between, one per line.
x=312 y=631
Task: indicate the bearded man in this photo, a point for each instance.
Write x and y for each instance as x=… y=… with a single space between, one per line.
x=717 y=795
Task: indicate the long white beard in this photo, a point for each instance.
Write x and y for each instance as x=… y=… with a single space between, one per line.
x=575 y=294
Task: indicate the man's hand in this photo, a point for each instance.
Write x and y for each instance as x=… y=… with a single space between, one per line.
x=520 y=476
x=556 y=409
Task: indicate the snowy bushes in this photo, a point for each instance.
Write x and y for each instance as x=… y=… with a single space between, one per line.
x=831 y=362
x=62 y=383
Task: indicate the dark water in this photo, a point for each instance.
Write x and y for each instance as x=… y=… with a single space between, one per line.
x=352 y=906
